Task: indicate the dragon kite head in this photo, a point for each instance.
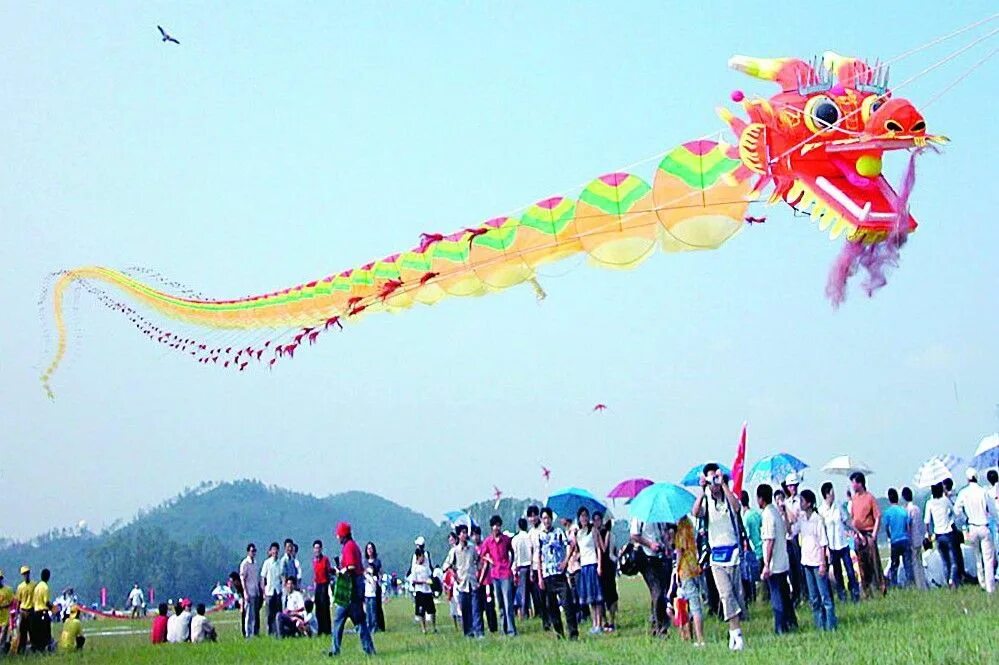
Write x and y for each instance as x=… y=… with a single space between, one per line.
x=820 y=141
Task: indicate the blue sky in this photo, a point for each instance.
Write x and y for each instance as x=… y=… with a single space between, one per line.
x=278 y=144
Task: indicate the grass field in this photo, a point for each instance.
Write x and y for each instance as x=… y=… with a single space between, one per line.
x=907 y=627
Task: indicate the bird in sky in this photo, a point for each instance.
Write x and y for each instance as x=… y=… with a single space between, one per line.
x=166 y=36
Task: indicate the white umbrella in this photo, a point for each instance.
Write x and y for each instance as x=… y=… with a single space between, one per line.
x=844 y=465
x=932 y=471
x=987 y=453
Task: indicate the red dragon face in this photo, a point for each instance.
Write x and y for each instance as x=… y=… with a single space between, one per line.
x=821 y=141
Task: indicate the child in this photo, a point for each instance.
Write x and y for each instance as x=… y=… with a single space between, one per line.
x=424 y=597
x=310 y=625
x=686 y=571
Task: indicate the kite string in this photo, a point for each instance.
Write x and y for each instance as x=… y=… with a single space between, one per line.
x=960 y=78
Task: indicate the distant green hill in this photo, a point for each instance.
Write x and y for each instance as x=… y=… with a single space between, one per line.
x=188 y=543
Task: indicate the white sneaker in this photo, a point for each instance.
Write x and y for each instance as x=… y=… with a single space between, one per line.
x=735 y=643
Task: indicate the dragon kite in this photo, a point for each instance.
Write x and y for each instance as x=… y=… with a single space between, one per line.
x=816 y=145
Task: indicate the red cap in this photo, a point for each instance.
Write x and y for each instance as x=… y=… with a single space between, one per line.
x=342 y=529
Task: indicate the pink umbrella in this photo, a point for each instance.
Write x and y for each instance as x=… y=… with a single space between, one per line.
x=629 y=489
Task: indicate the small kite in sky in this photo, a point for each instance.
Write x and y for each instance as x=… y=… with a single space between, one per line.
x=497 y=494
x=166 y=37
x=755 y=220
x=546 y=473
x=600 y=407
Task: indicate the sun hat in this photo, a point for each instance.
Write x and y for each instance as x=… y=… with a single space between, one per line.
x=971 y=473
x=792 y=479
x=420 y=541
x=25 y=569
x=342 y=529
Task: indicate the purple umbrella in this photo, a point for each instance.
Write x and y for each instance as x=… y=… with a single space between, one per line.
x=629 y=489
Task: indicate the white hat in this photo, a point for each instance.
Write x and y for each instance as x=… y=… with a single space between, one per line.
x=792 y=479
x=420 y=541
x=971 y=473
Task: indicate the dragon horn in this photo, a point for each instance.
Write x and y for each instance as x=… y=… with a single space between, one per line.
x=786 y=72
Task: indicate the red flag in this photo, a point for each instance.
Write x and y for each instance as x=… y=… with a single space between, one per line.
x=739 y=465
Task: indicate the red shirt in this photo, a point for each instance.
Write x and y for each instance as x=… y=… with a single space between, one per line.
x=864 y=511
x=320 y=570
x=158 y=634
x=499 y=552
x=350 y=555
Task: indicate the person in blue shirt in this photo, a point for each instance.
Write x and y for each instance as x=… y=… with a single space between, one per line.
x=896 y=521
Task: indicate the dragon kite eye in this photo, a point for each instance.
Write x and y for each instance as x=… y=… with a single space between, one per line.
x=870 y=105
x=821 y=113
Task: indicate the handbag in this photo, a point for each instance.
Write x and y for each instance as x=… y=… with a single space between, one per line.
x=632 y=560
x=343 y=590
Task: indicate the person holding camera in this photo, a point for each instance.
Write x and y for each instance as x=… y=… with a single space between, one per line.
x=720 y=508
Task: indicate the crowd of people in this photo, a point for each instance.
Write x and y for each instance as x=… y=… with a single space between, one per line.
x=792 y=546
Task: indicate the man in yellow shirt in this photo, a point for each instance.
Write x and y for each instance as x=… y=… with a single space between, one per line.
x=72 y=637
x=25 y=603
x=41 y=621
x=6 y=600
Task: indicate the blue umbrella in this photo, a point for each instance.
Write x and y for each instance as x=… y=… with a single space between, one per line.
x=452 y=515
x=693 y=477
x=662 y=502
x=773 y=469
x=566 y=502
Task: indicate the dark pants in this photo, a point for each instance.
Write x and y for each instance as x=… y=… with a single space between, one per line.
x=323 y=622
x=557 y=593
x=840 y=560
x=40 y=630
x=871 y=573
x=488 y=606
x=536 y=601
x=273 y=610
x=656 y=574
x=780 y=600
x=471 y=613
x=957 y=537
x=947 y=546
x=901 y=555
x=796 y=574
x=521 y=590
x=23 y=631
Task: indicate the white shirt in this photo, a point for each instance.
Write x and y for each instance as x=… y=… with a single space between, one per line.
x=812 y=537
x=792 y=507
x=772 y=528
x=198 y=628
x=135 y=598
x=295 y=602
x=936 y=574
x=533 y=534
x=420 y=578
x=917 y=529
x=647 y=530
x=270 y=572
x=976 y=504
x=370 y=585
x=179 y=627
x=721 y=531
x=521 y=544
x=940 y=514
x=834 y=520
x=587 y=545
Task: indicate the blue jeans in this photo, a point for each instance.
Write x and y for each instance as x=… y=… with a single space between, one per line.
x=820 y=596
x=945 y=543
x=471 y=613
x=522 y=597
x=840 y=559
x=355 y=612
x=503 y=590
x=901 y=555
x=371 y=613
x=780 y=600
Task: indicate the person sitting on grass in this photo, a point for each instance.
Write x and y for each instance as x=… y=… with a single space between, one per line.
x=179 y=625
x=310 y=623
x=158 y=633
x=72 y=638
x=202 y=629
x=292 y=618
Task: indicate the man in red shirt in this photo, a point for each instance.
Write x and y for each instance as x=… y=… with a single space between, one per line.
x=866 y=515
x=321 y=569
x=159 y=630
x=497 y=552
x=353 y=570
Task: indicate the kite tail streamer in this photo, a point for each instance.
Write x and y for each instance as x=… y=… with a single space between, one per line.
x=876 y=258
